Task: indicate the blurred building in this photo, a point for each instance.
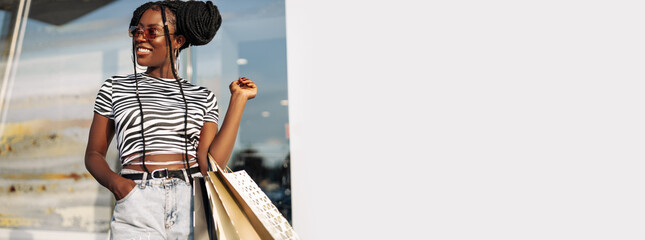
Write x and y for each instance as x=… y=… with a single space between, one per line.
x=56 y=54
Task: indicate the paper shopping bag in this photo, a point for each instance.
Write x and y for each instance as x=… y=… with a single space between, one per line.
x=232 y=222
x=265 y=219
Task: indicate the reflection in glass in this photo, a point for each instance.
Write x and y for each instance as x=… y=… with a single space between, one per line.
x=66 y=54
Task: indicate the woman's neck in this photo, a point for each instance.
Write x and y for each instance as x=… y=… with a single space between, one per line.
x=160 y=72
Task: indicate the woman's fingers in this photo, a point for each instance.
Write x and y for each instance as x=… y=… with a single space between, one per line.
x=246 y=82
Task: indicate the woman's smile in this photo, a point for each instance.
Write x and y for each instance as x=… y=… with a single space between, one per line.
x=142 y=51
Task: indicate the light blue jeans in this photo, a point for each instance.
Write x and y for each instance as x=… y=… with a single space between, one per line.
x=157 y=209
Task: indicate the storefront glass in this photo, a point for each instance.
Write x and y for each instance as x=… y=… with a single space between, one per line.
x=67 y=49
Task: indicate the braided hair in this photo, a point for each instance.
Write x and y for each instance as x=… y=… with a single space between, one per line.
x=198 y=22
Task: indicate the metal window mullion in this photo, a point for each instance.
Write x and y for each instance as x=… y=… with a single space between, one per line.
x=12 y=59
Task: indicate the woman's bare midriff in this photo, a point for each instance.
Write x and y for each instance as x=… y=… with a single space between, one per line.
x=160 y=158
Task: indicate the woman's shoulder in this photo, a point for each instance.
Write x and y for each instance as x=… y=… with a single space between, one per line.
x=121 y=80
x=123 y=77
x=198 y=88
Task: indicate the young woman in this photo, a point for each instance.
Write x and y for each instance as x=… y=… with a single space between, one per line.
x=164 y=125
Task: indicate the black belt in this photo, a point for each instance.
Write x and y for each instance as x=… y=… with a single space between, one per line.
x=163 y=173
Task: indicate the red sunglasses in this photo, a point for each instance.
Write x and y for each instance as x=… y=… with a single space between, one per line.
x=149 y=33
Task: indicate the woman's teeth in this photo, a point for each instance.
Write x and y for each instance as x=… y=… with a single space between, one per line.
x=143 y=50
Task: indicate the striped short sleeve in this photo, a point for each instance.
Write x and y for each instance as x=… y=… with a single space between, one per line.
x=212 y=110
x=103 y=103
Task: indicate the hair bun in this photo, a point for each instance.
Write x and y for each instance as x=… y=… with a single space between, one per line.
x=198 y=21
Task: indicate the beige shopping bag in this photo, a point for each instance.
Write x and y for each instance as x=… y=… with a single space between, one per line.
x=211 y=213
x=250 y=210
x=232 y=222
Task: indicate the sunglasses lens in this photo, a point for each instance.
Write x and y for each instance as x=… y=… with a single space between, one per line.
x=150 y=33
x=132 y=31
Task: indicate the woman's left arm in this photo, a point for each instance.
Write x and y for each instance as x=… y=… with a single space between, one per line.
x=209 y=130
x=221 y=147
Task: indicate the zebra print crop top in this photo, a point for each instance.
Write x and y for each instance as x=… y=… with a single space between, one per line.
x=163 y=112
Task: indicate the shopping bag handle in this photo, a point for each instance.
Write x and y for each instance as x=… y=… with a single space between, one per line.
x=212 y=165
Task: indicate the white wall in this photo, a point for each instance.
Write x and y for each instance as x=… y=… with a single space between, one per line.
x=467 y=119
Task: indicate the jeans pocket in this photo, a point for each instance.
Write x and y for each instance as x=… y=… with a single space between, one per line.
x=134 y=189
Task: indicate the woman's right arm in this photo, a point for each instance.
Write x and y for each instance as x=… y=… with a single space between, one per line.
x=101 y=133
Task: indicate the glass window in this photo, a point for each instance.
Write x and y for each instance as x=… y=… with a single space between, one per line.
x=63 y=59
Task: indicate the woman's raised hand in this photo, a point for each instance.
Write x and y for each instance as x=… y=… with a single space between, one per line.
x=244 y=87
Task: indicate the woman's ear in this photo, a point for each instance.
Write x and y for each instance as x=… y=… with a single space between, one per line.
x=179 y=41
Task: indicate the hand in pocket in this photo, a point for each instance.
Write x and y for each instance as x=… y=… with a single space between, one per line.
x=123 y=187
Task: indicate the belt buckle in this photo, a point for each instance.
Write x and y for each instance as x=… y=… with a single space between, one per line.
x=152 y=175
